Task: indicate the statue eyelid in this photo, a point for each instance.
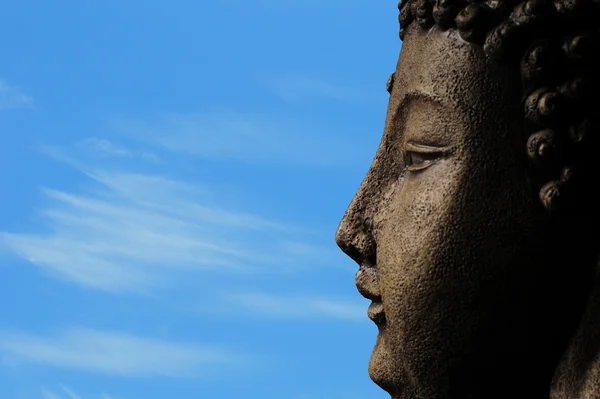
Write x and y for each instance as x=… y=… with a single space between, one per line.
x=414 y=146
x=418 y=156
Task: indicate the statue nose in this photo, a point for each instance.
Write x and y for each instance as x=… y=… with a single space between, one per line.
x=347 y=246
x=355 y=235
x=355 y=239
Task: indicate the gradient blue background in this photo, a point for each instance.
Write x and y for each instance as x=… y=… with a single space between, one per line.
x=172 y=176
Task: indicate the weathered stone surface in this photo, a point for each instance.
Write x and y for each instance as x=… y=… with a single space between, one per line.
x=475 y=229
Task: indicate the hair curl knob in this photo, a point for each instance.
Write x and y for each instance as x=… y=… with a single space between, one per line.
x=405 y=17
x=542 y=105
x=423 y=14
x=567 y=6
x=471 y=22
x=576 y=88
x=580 y=47
x=467 y=17
x=534 y=64
x=536 y=6
x=550 y=195
x=580 y=132
x=506 y=40
x=444 y=13
x=542 y=146
x=568 y=174
x=548 y=103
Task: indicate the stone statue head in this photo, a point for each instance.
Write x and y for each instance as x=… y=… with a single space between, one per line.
x=476 y=227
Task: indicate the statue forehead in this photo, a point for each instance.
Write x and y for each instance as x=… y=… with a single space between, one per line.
x=442 y=65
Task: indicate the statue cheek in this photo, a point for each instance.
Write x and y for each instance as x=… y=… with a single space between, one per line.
x=420 y=206
x=420 y=228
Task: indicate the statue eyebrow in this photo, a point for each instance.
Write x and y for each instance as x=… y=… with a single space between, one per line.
x=410 y=96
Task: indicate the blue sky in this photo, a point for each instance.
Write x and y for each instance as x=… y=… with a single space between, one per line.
x=172 y=177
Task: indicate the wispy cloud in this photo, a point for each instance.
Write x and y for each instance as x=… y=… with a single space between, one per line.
x=46 y=394
x=238 y=137
x=131 y=229
x=300 y=87
x=68 y=393
x=294 y=307
x=104 y=148
x=293 y=6
x=114 y=353
x=13 y=97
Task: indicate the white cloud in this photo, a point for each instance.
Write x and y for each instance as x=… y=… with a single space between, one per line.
x=299 y=87
x=12 y=97
x=50 y=395
x=149 y=156
x=243 y=138
x=104 y=148
x=295 y=307
x=114 y=353
x=132 y=231
x=70 y=393
x=67 y=393
x=294 y=6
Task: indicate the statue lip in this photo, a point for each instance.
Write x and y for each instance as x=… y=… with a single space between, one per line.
x=377 y=313
x=366 y=283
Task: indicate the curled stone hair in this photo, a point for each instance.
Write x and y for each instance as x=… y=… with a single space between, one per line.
x=555 y=44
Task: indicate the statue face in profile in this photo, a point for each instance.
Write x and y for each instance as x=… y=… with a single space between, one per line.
x=474 y=227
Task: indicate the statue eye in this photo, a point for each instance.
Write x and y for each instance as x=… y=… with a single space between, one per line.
x=416 y=161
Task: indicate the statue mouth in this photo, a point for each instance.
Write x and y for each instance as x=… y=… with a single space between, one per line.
x=377 y=313
x=367 y=285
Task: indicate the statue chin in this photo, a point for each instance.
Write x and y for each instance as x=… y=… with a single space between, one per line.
x=379 y=370
x=474 y=233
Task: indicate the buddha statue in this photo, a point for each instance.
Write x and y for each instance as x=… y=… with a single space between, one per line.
x=476 y=228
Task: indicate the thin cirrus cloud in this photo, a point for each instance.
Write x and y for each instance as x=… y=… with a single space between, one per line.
x=114 y=353
x=68 y=393
x=133 y=229
x=46 y=394
x=13 y=97
x=300 y=87
x=294 y=307
x=103 y=148
x=246 y=138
